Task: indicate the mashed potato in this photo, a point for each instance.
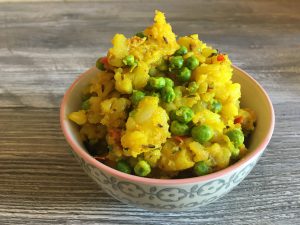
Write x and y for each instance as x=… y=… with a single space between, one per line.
x=163 y=106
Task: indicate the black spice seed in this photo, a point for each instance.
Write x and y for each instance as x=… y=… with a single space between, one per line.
x=148 y=146
x=151 y=146
x=159 y=125
x=102 y=88
x=165 y=39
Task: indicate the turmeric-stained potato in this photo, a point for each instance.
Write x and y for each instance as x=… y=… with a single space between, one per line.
x=165 y=106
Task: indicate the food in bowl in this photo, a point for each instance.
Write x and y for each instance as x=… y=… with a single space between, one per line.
x=163 y=107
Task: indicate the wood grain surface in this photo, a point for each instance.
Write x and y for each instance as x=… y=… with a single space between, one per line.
x=44 y=46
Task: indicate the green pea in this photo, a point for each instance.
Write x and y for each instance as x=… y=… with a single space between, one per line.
x=100 y=65
x=142 y=168
x=147 y=87
x=193 y=87
x=157 y=82
x=202 y=133
x=192 y=62
x=163 y=66
x=178 y=91
x=236 y=136
x=216 y=106
x=168 y=94
x=172 y=115
x=201 y=168
x=129 y=60
x=176 y=62
x=184 y=114
x=123 y=166
x=85 y=105
x=155 y=94
x=235 y=153
x=181 y=51
x=140 y=34
x=179 y=129
x=152 y=71
x=137 y=96
x=169 y=82
x=184 y=74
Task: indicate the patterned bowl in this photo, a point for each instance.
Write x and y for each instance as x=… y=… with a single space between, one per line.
x=172 y=194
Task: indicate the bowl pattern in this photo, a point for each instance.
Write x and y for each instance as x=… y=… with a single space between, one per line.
x=169 y=197
x=180 y=194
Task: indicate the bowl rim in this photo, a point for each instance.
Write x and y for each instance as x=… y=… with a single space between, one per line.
x=154 y=181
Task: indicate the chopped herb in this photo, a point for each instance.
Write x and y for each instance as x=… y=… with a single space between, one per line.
x=85 y=97
x=212 y=54
x=85 y=105
x=141 y=35
x=211 y=86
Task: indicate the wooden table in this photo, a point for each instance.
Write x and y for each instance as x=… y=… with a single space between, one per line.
x=44 y=46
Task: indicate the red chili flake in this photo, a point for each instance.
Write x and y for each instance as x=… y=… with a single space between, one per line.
x=220 y=58
x=115 y=134
x=104 y=60
x=101 y=158
x=172 y=76
x=180 y=139
x=238 y=120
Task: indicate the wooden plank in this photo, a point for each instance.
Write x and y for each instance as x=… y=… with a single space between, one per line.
x=44 y=46
x=30 y=44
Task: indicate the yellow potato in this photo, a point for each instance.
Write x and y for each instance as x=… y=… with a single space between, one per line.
x=149 y=124
x=134 y=116
x=78 y=117
x=118 y=51
x=174 y=157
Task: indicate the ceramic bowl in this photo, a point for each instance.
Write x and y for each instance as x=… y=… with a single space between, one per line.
x=172 y=194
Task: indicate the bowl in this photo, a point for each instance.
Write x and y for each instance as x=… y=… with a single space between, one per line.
x=172 y=194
